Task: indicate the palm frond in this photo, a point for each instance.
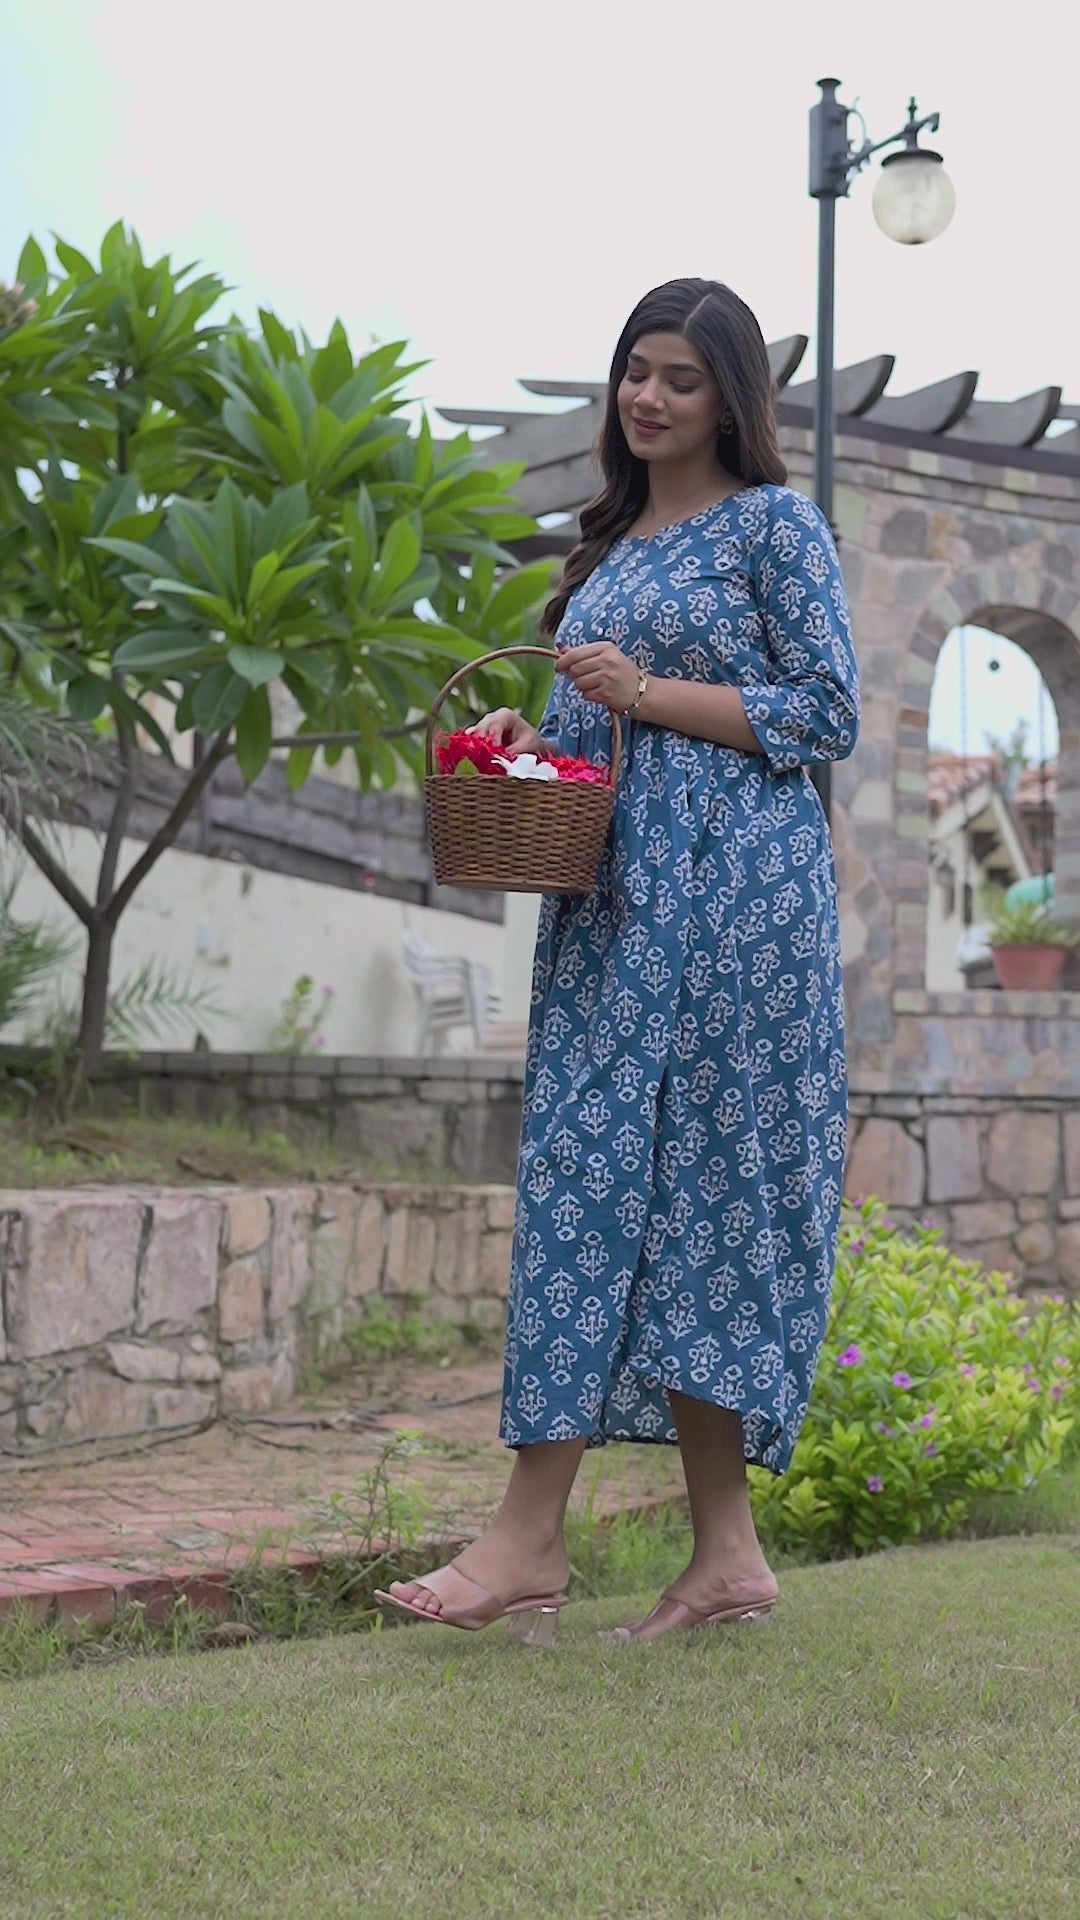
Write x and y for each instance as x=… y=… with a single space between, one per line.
x=30 y=953
x=154 y=1004
x=43 y=756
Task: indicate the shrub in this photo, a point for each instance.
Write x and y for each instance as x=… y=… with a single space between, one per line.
x=303 y=1010
x=937 y=1386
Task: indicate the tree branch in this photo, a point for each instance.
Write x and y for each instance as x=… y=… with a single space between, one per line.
x=169 y=827
x=348 y=739
x=43 y=860
x=125 y=795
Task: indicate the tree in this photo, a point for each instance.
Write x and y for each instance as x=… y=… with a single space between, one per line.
x=1012 y=750
x=190 y=512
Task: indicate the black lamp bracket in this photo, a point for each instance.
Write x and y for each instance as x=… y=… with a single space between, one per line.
x=834 y=161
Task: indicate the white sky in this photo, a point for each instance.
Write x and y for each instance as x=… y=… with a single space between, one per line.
x=499 y=183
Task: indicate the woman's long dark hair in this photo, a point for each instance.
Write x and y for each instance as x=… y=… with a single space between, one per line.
x=729 y=340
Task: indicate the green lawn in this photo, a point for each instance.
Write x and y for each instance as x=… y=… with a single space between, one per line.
x=901 y=1744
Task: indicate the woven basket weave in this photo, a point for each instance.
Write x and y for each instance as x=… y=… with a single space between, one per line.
x=519 y=836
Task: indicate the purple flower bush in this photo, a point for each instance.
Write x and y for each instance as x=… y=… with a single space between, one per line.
x=938 y=1386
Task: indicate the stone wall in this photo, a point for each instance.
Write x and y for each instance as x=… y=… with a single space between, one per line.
x=127 y=1310
x=459 y=1115
x=1001 y=1180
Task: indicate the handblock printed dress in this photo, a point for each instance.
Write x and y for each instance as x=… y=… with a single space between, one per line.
x=685 y=1090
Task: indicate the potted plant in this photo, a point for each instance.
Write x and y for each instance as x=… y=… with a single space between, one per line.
x=1028 y=941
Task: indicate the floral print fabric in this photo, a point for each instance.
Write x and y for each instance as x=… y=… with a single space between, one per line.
x=684 y=1122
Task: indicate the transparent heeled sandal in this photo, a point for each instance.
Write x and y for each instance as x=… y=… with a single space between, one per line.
x=534 y=1626
x=671 y=1615
x=531 y=1621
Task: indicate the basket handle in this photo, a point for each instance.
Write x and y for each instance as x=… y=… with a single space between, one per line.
x=546 y=653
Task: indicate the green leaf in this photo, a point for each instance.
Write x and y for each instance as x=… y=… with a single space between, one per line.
x=114 y=247
x=514 y=596
x=398 y=556
x=214 y=605
x=87 y=696
x=261 y=575
x=130 y=710
x=312 y=667
x=118 y=500
x=256 y=665
x=193 y=528
x=163 y=649
x=284 y=520
x=253 y=732
x=238 y=421
x=144 y=558
x=278 y=338
x=218 y=698
x=231 y=539
x=75 y=263
x=507 y=526
x=424 y=465
x=365 y=508
x=32 y=265
x=298 y=766
x=362 y=549
x=420 y=585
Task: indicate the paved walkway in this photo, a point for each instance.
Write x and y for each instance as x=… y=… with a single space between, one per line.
x=81 y=1536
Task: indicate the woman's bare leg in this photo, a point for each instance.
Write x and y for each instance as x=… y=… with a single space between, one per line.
x=727 y=1561
x=522 y=1551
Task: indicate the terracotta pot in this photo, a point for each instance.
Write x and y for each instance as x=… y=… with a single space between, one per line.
x=1029 y=969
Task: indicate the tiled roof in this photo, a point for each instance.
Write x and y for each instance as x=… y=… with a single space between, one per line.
x=952 y=775
x=1029 y=787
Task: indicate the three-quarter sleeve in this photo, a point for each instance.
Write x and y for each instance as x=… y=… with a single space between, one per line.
x=807 y=707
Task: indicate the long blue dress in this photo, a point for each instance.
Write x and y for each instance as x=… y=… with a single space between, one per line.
x=685 y=1102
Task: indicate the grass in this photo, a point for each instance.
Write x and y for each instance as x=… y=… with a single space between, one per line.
x=382 y=1526
x=134 y=1148
x=899 y=1745
x=385 y=1344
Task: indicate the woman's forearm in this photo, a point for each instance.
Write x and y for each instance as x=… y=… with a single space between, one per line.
x=704 y=712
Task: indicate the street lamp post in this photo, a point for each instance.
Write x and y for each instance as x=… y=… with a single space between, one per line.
x=913 y=202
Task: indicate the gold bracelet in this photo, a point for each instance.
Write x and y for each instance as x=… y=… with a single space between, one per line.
x=642 y=683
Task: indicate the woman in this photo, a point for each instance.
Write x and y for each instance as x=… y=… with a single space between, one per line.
x=685 y=1098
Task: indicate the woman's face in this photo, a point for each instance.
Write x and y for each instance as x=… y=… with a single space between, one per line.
x=669 y=404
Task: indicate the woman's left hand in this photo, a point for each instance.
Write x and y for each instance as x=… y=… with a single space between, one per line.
x=600 y=672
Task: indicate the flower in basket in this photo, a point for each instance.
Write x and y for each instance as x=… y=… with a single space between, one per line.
x=527 y=766
x=470 y=753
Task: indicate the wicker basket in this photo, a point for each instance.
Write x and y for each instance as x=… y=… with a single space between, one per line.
x=518 y=836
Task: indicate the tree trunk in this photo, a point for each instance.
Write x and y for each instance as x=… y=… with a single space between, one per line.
x=91 y=1042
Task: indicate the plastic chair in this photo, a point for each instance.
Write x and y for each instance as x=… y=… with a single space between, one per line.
x=451 y=991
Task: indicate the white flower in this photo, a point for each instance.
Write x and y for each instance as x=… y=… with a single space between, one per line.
x=527 y=767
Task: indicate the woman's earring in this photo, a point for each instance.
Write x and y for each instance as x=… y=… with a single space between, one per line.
x=727 y=422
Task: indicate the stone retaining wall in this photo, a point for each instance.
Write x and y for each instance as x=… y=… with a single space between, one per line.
x=1000 y=1177
x=126 y=1310
x=460 y=1115
x=976 y=1120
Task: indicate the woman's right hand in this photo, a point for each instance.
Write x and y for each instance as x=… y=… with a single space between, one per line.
x=509 y=729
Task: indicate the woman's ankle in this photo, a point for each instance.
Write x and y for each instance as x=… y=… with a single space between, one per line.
x=539 y=1533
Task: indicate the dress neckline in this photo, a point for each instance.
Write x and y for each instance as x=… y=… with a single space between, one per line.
x=688 y=519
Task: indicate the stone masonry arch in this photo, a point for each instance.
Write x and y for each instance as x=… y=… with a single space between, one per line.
x=1042 y=615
